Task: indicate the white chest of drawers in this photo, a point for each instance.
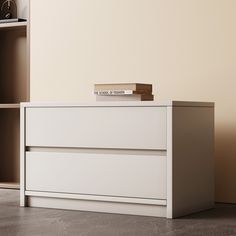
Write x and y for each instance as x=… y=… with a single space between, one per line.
x=141 y=158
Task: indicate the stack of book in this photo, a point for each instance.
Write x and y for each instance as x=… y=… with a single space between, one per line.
x=123 y=92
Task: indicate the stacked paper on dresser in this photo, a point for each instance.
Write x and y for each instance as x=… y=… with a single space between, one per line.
x=123 y=92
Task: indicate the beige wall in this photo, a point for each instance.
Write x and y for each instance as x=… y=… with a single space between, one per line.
x=186 y=48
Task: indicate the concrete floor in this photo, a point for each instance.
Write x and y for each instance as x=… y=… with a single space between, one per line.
x=17 y=221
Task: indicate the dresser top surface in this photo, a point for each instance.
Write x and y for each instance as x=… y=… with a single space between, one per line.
x=169 y=103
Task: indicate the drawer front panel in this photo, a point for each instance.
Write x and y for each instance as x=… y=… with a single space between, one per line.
x=137 y=176
x=97 y=127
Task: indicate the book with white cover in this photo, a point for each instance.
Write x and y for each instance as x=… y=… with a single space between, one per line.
x=118 y=92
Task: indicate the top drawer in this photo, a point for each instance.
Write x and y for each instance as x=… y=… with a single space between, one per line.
x=97 y=127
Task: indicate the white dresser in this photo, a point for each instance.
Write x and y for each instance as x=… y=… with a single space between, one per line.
x=142 y=158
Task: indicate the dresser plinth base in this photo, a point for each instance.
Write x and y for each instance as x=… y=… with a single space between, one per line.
x=97 y=206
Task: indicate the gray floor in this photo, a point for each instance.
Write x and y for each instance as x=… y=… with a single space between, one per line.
x=32 y=221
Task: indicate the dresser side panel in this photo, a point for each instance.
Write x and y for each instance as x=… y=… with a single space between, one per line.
x=193 y=164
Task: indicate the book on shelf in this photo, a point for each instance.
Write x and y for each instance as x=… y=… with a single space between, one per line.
x=8 y=20
x=132 y=97
x=13 y=20
x=119 y=92
x=147 y=88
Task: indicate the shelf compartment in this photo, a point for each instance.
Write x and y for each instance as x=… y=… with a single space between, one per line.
x=9 y=146
x=13 y=67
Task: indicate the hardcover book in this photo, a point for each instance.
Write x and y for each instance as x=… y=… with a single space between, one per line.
x=124 y=86
x=120 y=92
x=133 y=97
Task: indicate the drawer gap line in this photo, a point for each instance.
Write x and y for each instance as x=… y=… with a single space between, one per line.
x=98 y=151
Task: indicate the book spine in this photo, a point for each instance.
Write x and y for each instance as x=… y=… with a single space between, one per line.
x=113 y=92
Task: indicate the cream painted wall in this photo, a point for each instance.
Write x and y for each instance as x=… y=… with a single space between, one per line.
x=186 y=48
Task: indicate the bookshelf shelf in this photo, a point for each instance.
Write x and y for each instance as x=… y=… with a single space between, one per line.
x=10 y=185
x=13 y=26
x=10 y=106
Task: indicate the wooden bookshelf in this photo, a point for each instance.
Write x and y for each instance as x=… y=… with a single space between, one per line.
x=14 y=89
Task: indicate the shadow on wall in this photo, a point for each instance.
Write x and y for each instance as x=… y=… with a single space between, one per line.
x=225 y=164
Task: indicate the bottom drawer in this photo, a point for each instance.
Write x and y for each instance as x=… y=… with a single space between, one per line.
x=140 y=176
